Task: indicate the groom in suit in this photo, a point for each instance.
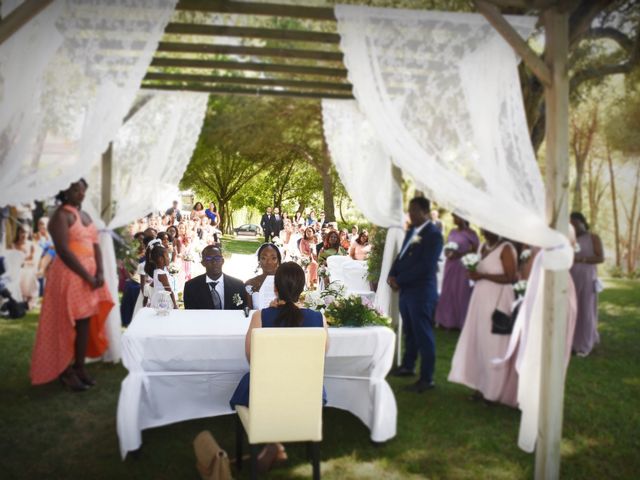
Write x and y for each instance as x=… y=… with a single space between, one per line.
x=266 y=223
x=414 y=274
x=214 y=290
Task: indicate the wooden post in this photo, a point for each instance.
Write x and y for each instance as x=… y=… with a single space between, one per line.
x=106 y=210
x=554 y=327
x=394 y=306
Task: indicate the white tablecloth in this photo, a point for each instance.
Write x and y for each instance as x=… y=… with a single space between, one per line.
x=187 y=365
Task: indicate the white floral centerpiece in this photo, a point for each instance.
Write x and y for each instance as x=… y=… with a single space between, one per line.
x=316 y=300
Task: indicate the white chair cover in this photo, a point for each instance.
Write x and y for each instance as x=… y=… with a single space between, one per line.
x=335 y=264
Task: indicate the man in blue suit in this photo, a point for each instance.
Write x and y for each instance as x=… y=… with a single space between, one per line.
x=414 y=274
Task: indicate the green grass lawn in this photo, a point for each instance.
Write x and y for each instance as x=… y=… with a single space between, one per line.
x=46 y=432
x=247 y=246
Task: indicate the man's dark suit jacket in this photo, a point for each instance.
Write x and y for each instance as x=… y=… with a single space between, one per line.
x=277 y=224
x=197 y=295
x=418 y=268
x=267 y=224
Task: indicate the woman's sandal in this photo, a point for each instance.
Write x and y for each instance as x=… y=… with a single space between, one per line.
x=70 y=380
x=84 y=377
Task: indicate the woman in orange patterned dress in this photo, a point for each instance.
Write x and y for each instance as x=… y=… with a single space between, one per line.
x=76 y=301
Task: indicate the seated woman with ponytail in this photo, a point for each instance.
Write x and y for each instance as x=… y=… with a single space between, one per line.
x=284 y=312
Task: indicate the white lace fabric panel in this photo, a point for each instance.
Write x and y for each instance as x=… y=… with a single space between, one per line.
x=441 y=90
x=151 y=152
x=365 y=170
x=67 y=79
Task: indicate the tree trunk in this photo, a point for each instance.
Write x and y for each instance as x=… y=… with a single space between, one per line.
x=340 y=209
x=576 y=203
x=327 y=183
x=631 y=221
x=614 y=203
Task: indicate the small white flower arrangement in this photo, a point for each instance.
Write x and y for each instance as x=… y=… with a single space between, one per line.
x=470 y=261
x=323 y=271
x=453 y=246
x=173 y=269
x=525 y=255
x=277 y=241
x=188 y=257
x=520 y=288
x=249 y=289
x=305 y=261
x=237 y=299
x=415 y=240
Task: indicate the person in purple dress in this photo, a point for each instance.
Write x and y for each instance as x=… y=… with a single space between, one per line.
x=585 y=278
x=456 y=289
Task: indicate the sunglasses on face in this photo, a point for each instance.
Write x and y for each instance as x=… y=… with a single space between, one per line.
x=214 y=258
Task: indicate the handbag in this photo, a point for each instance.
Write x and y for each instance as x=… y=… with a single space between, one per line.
x=501 y=322
x=212 y=461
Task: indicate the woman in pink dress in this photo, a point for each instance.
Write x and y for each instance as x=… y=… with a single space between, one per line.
x=308 y=249
x=76 y=300
x=585 y=275
x=360 y=247
x=477 y=347
x=456 y=291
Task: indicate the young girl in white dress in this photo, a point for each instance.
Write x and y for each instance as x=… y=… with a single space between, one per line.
x=156 y=266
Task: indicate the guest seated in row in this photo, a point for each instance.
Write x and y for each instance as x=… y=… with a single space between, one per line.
x=214 y=290
x=269 y=259
x=285 y=312
x=360 y=248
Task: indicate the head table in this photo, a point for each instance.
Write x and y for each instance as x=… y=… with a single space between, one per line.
x=186 y=365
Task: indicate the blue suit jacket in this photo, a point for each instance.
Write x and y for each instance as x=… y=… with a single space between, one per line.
x=416 y=272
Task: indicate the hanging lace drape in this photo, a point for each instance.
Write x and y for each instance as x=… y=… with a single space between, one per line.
x=67 y=79
x=442 y=92
x=365 y=170
x=150 y=153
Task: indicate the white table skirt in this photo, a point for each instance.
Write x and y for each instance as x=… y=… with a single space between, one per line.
x=188 y=364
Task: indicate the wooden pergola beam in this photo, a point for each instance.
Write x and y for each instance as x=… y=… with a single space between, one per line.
x=248 y=66
x=180 y=47
x=251 y=32
x=529 y=56
x=261 y=92
x=270 y=82
x=251 y=8
x=20 y=16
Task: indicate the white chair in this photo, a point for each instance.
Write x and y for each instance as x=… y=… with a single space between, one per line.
x=335 y=264
x=355 y=277
x=285 y=392
x=13 y=260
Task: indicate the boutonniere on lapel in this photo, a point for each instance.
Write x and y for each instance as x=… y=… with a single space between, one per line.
x=237 y=299
x=415 y=240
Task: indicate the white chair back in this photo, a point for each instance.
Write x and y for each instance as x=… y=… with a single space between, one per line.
x=355 y=277
x=285 y=396
x=335 y=264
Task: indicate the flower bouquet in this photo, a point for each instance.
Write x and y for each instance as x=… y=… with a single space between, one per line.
x=470 y=261
x=305 y=261
x=520 y=288
x=277 y=241
x=323 y=271
x=353 y=311
x=173 y=269
x=453 y=246
x=188 y=257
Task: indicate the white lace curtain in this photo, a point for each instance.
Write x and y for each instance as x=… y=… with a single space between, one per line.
x=67 y=79
x=365 y=170
x=442 y=93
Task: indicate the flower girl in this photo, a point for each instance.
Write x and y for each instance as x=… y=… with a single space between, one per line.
x=156 y=266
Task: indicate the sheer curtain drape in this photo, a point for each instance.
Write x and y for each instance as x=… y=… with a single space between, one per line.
x=365 y=170
x=67 y=79
x=442 y=92
x=150 y=153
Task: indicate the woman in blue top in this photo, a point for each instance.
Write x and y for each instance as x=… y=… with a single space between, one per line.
x=284 y=312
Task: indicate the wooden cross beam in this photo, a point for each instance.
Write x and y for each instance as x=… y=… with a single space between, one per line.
x=252 y=8
x=251 y=32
